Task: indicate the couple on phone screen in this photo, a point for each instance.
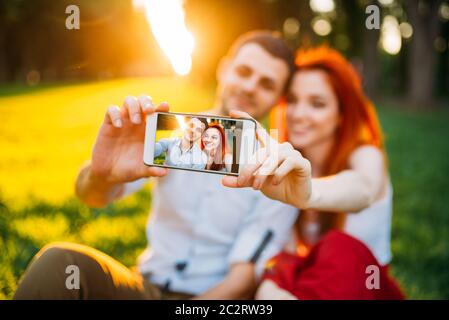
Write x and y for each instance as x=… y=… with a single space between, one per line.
x=202 y=146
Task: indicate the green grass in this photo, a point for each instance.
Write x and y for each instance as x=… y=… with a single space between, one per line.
x=47 y=133
x=418 y=148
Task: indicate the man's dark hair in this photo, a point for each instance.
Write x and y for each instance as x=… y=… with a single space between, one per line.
x=201 y=119
x=272 y=42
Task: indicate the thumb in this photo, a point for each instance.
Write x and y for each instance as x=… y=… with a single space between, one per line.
x=230 y=182
x=155 y=172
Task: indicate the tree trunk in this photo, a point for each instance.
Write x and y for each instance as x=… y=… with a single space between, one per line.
x=371 y=62
x=423 y=16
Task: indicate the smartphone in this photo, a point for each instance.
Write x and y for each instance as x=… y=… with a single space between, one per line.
x=197 y=142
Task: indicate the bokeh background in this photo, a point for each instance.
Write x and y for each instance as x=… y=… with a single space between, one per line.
x=55 y=85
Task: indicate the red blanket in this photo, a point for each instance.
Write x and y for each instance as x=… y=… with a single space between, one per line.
x=337 y=267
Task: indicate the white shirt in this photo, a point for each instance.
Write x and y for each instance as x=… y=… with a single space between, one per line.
x=198 y=228
x=372 y=226
x=194 y=158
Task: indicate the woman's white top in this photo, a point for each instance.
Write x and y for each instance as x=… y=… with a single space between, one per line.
x=372 y=226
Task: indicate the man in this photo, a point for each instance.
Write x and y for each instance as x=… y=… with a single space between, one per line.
x=184 y=152
x=205 y=241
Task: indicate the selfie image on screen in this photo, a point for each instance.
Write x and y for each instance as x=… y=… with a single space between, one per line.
x=199 y=143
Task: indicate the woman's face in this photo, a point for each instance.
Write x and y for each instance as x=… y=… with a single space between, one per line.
x=312 y=110
x=211 y=139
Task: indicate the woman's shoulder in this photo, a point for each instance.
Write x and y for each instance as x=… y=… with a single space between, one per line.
x=367 y=150
x=370 y=160
x=367 y=155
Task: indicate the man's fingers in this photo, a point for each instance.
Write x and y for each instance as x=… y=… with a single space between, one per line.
x=146 y=103
x=132 y=105
x=113 y=116
x=134 y=109
x=163 y=107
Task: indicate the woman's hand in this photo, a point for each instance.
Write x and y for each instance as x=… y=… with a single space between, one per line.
x=268 y=290
x=276 y=169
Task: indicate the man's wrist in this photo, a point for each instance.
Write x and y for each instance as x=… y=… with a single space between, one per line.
x=95 y=190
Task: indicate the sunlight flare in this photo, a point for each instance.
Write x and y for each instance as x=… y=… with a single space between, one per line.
x=167 y=21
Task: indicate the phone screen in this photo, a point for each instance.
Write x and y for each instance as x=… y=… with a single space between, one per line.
x=203 y=143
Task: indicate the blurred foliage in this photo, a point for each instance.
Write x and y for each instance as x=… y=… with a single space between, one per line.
x=115 y=40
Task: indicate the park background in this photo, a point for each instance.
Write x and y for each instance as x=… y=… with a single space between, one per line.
x=56 y=83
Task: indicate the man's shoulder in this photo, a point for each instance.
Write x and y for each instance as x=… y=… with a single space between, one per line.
x=170 y=140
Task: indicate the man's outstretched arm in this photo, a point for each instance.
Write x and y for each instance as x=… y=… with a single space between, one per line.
x=240 y=283
x=162 y=145
x=94 y=191
x=117 y=156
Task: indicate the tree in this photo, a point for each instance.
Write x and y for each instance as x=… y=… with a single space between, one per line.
x=423 y=16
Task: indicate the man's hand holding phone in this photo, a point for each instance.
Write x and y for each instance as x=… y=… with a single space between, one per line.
x=117 y=154
x=118 y=151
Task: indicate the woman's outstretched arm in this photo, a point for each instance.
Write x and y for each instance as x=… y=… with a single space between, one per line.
x=282 y=173
x=354 y=189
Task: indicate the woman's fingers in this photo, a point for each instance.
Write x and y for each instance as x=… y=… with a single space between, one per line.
x=278 y=162
x=239 y=114
x=293 y=162
x=283 y=170
x=266 y=169
x=233 y=182
x=275 y=157
x=230 y=182
x=264 y=138
x=113 y=116
x=247 y=174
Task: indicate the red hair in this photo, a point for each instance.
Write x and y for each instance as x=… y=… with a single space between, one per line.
x=221 y=165
x=359 y=125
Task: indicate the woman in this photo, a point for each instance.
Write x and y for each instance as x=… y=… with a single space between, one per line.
x=334 y=169
x=213 y=143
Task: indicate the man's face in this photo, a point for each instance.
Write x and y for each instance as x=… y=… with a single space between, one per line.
x=194 y=130
x=252 y=81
